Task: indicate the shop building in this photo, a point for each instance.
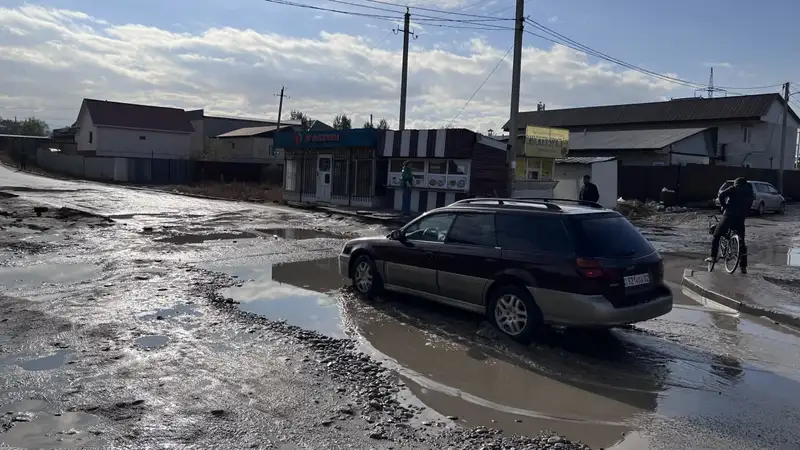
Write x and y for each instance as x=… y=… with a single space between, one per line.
x=447 y=165
x=362 y=167
x=336 y=167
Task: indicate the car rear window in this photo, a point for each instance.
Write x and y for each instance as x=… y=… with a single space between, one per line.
x=528 y=232
x=610 y=237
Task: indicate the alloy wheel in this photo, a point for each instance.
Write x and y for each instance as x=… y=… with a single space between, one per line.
x=363 y=277
x=511 y=314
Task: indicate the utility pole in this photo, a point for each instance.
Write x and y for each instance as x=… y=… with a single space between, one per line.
x=783 y=135
x=404 y=80
x=516 y=79
x=370 y=120
x=280 y=107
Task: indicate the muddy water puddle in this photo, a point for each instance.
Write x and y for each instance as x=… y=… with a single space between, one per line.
x=295 y=292
x=49 y=362
x=38 y=274
x=299 y=233
x=596 y=388
x=37 y=424
x=196 y=238
x=151 y=342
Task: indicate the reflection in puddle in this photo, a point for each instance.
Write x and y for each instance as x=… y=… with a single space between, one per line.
x=293 y=292
x=793 y=257
x=150 y=342
x=36 y=426
x=200 y=238
x=47 y=363
x=34 y=275
x=485 y=384
x=299 y=233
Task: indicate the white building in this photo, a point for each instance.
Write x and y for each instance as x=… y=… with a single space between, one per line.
x=736 y=131
x=204 y=146
x=129 y=130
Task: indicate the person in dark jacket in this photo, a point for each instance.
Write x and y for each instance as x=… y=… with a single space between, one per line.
x=589 y=192
x=737 y=201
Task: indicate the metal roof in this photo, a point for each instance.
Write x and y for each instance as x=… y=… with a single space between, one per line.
x=585 y=159
x=251 y=131
x=140 y=117
x=23 y=136
x=678 y=110
x=629 y=139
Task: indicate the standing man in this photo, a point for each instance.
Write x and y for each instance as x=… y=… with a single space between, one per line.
x=737 y=201
x=23 y=160
x=589 y=192
x=406 y=179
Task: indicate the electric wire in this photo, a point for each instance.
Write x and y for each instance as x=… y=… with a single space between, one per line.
x=478 y=22
x=481 y=86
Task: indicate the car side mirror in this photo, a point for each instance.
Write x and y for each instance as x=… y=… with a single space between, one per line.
x=397 y=235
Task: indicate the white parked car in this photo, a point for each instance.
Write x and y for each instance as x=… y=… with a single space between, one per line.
x=766 y=197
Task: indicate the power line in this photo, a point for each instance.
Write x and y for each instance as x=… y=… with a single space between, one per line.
x=606 y=57
x=394 y=19
x=420 y=8
x=419 y=17
x=481 y=86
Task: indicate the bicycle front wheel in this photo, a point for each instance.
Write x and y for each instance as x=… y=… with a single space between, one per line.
x=732 y=254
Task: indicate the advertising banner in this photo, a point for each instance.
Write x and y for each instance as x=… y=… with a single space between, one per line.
x=544 y=142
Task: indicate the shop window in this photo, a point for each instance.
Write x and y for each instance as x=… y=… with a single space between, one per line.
x=432 y=173
x=396 y=165
x=457 y=167
x=437 y=167
x=533 y=169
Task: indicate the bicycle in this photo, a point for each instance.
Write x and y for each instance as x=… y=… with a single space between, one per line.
x=729 y=245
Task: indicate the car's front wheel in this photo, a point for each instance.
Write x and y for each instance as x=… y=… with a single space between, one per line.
x=514 y=312
x=365 y=277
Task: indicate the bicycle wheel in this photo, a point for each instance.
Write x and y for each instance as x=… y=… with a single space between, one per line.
x=732 y=254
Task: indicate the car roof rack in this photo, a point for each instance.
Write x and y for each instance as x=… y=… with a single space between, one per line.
x=566 y=200
x=503 y=202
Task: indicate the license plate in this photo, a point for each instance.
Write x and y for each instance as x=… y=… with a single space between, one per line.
x=637 y=280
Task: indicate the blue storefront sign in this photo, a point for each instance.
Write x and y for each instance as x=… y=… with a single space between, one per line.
x=363 y=137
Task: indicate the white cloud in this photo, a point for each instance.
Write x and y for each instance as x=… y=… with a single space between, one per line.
x=553 y=19
x=51 y=58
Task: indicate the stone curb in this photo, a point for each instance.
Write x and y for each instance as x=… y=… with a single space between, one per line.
x=690 y=283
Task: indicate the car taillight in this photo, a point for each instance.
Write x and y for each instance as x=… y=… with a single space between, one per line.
x=589 y=268
x=660 y=270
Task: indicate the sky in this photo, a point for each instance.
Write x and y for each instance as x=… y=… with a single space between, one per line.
x=232 y=57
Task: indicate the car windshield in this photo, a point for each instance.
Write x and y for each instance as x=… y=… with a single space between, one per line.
x=610 y=237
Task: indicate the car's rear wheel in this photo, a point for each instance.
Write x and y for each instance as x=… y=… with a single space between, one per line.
x=365 y=277
x=515 y=313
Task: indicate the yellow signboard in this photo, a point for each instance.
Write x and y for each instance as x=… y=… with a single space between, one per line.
x=543 y=142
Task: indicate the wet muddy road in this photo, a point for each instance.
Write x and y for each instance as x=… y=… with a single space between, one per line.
x=105 y=337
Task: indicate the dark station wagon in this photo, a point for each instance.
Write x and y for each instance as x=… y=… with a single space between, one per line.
x=523 y=263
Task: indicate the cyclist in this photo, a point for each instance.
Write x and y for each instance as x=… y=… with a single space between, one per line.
x=737 y=201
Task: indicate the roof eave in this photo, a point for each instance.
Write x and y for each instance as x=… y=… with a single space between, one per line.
x=143 y=129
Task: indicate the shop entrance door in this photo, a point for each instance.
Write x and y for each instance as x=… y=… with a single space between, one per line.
x=324 y=163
